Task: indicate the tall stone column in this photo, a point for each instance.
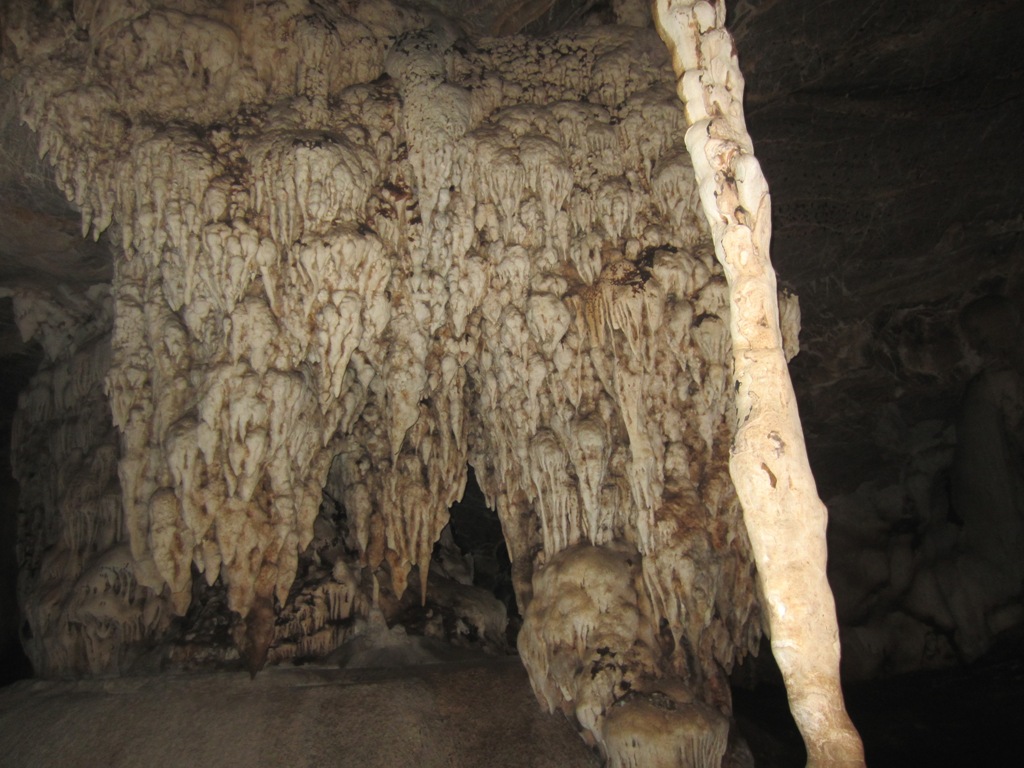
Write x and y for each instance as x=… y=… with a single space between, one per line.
x=784 y=517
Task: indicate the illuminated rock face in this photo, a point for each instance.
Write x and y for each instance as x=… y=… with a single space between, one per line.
x=360 y=253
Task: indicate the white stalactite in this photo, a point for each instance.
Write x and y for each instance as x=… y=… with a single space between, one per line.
x=371 y=262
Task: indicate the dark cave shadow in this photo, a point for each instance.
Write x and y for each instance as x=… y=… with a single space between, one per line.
x=965 y=716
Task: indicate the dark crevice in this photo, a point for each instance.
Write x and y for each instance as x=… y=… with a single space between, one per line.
x=477 y=532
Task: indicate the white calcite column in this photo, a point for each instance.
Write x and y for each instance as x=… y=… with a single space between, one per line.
x=784 y=517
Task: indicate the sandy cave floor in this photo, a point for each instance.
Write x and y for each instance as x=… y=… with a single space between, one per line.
x=467 y=713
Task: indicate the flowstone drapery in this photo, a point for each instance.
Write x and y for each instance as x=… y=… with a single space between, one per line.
x=357 y=251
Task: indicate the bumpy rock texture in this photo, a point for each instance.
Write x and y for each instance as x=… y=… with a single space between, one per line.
x=768 y=463
x=358 y=252
x=88 y=603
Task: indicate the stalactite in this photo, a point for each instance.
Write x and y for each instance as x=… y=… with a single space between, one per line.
x=404 y=255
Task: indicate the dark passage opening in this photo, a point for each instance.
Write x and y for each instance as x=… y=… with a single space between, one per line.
x=474 y=531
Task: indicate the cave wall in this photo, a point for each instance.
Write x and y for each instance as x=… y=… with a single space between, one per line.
x=885 y=133
x=88 y=605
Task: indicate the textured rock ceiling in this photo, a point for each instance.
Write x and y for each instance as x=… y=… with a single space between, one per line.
x=890 y=137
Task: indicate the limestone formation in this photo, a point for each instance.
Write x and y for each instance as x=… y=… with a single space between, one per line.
x=88 y=603
x=359 y=251
x=783 y=514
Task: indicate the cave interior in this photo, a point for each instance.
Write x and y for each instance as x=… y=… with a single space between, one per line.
x=392 y=335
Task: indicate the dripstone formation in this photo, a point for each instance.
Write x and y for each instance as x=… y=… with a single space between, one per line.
x=358 y=251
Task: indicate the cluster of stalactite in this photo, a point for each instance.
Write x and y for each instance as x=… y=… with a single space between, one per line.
x=358 y=251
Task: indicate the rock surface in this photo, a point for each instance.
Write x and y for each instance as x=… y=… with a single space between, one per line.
x=356 y=252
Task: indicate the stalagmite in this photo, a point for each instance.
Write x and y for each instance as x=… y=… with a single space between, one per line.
x=783 y=515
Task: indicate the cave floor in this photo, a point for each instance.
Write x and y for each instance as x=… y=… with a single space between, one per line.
x=468 y=713
x=451 y=715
